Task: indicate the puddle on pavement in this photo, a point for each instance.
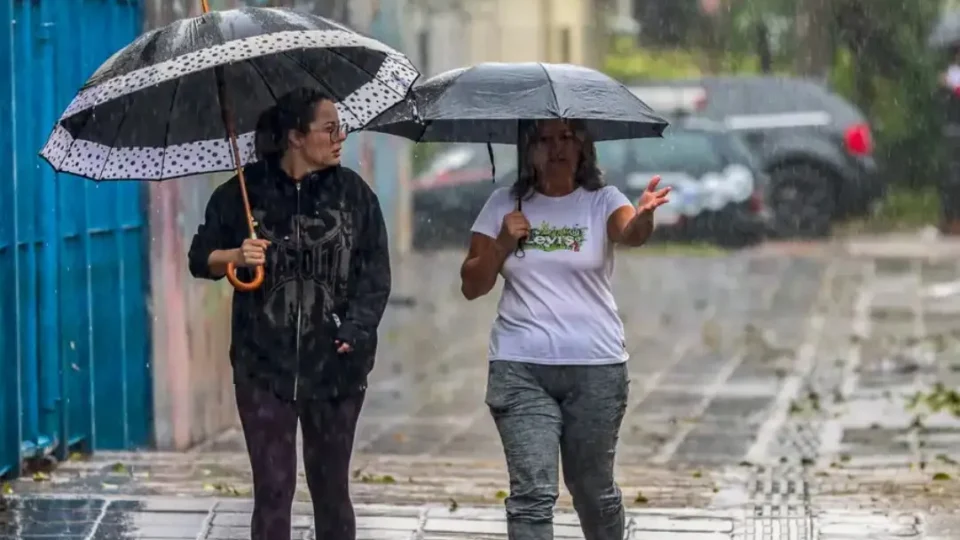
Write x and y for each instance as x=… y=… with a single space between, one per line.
x=898 y=313
x=75 y=519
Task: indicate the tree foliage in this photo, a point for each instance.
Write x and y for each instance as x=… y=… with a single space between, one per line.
x=873 y=52
x=883 y=64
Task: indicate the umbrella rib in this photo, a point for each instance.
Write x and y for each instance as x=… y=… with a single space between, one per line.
x=251 y=62
x=550 y=84
x=319 y=81
x=166 y=136
x=373 y=76
x=116 y=135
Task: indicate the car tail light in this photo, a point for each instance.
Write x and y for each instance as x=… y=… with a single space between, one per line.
x=858 y=141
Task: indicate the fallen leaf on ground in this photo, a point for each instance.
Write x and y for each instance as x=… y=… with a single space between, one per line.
x=226 y=489
x=376 y=479
x=943 y=458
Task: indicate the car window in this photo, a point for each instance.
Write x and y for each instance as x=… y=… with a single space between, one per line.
x=774 y=95
x=737 y=151
x=612 y=155
x=452 y=159
x=764 y=95
x=686 y=151
x=463 y=156
x=504 y=155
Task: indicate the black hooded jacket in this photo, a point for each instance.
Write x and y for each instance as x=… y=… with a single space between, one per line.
x=327 y=278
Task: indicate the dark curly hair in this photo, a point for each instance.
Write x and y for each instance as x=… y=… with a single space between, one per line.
x=588 y=174
x=295 y=110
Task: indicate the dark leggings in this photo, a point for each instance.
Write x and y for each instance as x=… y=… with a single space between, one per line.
x=270 y=429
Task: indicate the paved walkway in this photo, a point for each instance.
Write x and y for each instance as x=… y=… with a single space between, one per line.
x=769 y=400
x=171 y=518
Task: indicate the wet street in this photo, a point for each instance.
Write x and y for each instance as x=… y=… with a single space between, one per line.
x=788 y=392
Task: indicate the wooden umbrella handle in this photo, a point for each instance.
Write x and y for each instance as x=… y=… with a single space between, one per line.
x=241 y=179
x=232 y=135
x=232 y=268
x=240 y=285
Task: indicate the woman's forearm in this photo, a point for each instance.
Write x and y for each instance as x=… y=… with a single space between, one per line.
x=638 y=231
x=478 y=274
x=220 y=258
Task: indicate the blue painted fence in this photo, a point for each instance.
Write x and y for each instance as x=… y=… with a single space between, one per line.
x=74 y=367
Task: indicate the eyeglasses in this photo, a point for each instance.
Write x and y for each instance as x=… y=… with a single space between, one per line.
x=337 y=132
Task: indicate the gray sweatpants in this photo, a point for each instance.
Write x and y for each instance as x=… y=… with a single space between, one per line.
x=574 y=411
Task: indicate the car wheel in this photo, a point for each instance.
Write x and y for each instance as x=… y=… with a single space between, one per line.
x=803 y=202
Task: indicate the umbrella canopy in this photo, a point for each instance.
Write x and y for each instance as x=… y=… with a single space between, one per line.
x=154 y=109
x=947 y=32
x=483 y=104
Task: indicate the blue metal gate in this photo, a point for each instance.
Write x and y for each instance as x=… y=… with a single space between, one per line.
x=73 y=328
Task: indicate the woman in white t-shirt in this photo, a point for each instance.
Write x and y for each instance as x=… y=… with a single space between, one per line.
x=558 y=378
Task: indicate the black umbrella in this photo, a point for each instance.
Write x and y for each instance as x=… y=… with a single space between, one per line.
x=184 y=99
x=483 y=103
x=486 y=103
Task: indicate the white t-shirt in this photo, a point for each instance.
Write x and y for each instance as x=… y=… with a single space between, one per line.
x=557 y=305
x=953 y=76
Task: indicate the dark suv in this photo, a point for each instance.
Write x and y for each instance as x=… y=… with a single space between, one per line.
x=816 y=146
x=719 y=189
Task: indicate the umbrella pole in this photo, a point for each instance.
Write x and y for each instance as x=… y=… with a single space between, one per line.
x=235 y=148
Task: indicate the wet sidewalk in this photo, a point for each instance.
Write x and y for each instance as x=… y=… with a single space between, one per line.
x=780 y=394
x=463 y=499
x=119 y=518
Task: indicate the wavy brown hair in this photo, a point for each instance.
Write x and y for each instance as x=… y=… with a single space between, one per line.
x=588 y=174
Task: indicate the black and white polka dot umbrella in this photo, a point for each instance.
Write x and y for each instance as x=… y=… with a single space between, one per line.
x=153 y=110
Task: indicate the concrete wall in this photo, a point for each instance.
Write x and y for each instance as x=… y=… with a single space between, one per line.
x=437 y=33
x=193 y=391
x=193 y=386
x=446 y=34
x=535 y=30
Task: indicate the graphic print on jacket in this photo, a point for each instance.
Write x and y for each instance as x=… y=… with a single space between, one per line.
x=306 y=266
x=327 y=278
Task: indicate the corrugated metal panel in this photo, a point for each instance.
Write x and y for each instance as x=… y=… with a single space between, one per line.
x=9 y=300
x=75 y=333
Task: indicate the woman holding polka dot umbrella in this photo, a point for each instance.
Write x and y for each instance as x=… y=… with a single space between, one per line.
x=185 y=99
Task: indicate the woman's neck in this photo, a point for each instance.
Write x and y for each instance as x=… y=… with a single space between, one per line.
x=296 y=168
x=557 y=187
